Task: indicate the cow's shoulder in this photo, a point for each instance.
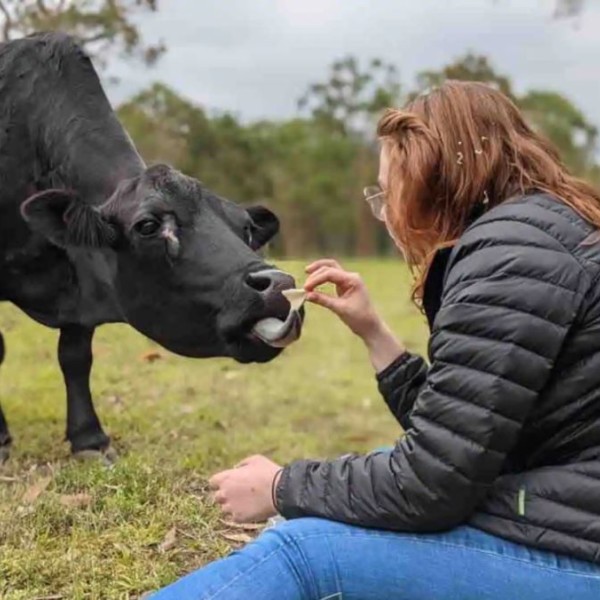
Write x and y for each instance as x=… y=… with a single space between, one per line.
x=47 y=50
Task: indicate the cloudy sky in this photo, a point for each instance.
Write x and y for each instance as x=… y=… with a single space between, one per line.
x=256 y=57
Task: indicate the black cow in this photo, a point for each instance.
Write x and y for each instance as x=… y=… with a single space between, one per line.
x=89 y=235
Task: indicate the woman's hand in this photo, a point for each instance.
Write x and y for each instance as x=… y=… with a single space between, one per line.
x=245 y=492
x=354 y=307
x=352 y=304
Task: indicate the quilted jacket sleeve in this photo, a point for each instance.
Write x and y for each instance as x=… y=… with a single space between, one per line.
x=400 y=383
x=511 y=294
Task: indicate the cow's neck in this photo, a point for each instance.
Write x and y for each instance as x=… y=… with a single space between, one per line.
x=87 y=150
x=84 y=146
x=97 y=297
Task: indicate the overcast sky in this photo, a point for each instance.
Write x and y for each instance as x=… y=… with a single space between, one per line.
x=256 y=57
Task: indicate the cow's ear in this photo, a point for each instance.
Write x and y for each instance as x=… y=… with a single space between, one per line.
x=65 y=220
x=266 y=225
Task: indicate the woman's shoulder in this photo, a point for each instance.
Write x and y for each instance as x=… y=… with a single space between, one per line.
x=529 y=239
x=536 y=220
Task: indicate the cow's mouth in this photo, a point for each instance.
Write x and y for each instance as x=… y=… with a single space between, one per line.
x=280 y=333
x=277 y=333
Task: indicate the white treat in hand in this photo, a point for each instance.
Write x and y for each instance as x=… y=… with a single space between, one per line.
x=296 y=298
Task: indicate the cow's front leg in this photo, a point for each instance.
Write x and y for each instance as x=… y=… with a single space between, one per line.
x=84 y=431
x=5 y=439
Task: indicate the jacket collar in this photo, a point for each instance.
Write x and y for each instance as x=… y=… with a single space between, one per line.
x=434 y=283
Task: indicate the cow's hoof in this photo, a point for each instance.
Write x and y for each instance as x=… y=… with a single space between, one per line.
x=4 y=453
x=108 y=456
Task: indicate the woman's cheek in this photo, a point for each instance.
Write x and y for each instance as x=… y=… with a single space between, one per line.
x=393 y=236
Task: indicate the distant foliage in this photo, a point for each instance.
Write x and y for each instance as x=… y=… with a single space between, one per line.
x=311 y=169
x=569 y=8
x=97 y=24
x=548 y=112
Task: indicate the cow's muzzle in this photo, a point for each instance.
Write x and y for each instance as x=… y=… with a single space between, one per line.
x=278 y=333
x=277 y=290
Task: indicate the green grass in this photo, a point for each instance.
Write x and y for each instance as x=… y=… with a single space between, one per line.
x=174 y=422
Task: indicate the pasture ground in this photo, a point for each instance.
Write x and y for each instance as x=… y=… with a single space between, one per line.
x=80 y=530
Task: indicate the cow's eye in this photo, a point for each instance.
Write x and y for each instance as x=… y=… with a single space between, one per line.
x=147 y=227
x=249 y=235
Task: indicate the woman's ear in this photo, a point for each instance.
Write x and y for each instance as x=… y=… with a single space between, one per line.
x=65 y=220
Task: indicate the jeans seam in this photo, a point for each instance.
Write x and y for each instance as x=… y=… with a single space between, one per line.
x=338 y=583
x=464 y=546
x=242 y=574
x=302 y=582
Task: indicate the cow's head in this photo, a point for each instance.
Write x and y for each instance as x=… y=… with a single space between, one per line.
x=186 y=271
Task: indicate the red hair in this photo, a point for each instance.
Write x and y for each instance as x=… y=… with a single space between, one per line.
x=462 y=147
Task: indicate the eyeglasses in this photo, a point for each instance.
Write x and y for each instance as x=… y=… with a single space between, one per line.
x=375 y=197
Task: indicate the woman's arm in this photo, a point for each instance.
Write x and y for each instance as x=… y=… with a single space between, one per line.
x=400 y=384
x=353 y=306
x=505 y=313
x=383 y=346
x=400 y=375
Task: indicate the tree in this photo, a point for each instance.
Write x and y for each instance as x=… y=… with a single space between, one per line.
x=218 y=150
x=351 y=95
x=313 y=184
x=568 y=8
x=301 y=169
x=346 y=103
x=559 y=120
x=161 y=123
x=550 y=113
x=97 y=24
x=470 y=67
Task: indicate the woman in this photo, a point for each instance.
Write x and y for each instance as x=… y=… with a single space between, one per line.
x=494 y=490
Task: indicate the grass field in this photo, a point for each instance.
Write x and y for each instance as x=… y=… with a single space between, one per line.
x=80 y=530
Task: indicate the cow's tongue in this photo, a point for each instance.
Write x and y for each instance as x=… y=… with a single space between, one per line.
x=278 y=333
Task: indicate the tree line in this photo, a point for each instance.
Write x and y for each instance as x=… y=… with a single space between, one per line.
x=310 y=169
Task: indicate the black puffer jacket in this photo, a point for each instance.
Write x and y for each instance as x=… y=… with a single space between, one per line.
x=503 y=429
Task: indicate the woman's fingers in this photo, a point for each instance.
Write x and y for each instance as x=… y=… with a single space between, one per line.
x=323 y=262
x=329 y=275
x=219 y=497
x=214 y=483
x=324 y=300
x=316 y=273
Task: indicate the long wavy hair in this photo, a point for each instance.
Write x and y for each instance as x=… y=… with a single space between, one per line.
x=456 y=151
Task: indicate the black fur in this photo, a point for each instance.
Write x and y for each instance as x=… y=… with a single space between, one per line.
x=73 y=188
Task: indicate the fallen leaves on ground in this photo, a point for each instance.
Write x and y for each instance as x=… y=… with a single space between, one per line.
x=7 y=479
x=151 y=356
x=76 y=500
x=238 y=538
x=169 y=541
x=35 y=489
x=243 y=526
x=115 y=400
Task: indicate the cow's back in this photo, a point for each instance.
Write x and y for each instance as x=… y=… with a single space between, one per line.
x=57 y=130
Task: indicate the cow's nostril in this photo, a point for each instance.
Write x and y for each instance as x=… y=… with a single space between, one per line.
x=259 y=282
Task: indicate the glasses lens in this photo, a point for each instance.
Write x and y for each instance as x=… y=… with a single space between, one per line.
x=371 y=190
x=375 y=196
x=378 y=207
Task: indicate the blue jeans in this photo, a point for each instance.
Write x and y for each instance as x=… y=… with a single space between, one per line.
x=315 y=559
